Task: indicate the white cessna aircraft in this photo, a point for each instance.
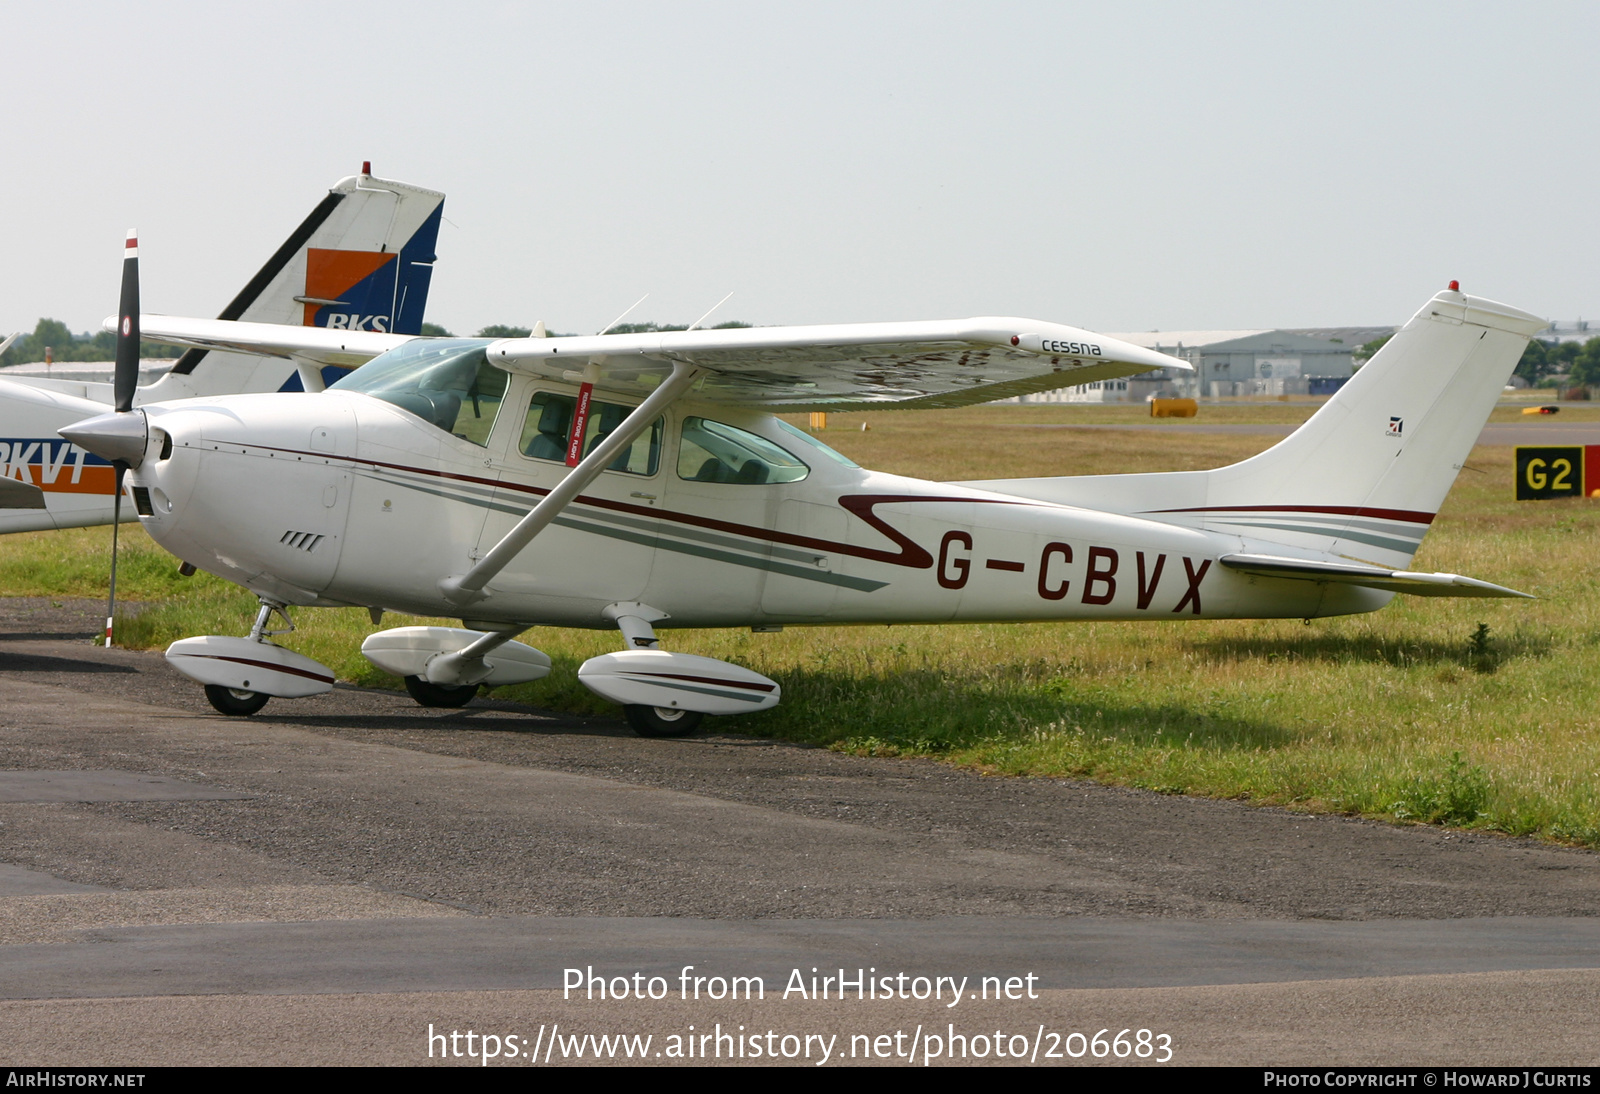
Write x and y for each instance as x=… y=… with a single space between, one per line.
x=361 y=261
x=629 y=480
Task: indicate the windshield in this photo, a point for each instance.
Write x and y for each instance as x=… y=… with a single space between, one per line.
x=447 y=382
x=836 y=457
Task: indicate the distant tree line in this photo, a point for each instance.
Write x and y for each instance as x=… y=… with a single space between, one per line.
x=1541 y=363
x=66 y=346
x=1579 y=361
x=1363 y=353
x=102 y=345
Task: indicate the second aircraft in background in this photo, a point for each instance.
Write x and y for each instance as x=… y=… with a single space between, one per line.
x=360 y=262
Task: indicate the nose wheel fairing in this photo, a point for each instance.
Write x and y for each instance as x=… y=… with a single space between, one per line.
x=249 y=665
x=240 y=674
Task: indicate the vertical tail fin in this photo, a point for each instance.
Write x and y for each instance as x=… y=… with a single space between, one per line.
x=363 y=260
x=1395 y=435
x=1364 y=476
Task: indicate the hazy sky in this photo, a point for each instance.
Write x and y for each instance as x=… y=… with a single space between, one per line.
x=1119 y=167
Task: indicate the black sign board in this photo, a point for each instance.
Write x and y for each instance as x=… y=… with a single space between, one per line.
x=1549 y=472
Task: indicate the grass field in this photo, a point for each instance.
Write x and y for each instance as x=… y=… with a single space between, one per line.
x=1472 y=713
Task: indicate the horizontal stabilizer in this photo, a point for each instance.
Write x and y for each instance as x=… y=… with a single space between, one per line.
x=15 y=494
x=1372 y=577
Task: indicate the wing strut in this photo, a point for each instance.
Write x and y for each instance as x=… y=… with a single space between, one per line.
x=466 y=588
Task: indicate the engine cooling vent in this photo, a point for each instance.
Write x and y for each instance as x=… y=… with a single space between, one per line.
x=301 y=541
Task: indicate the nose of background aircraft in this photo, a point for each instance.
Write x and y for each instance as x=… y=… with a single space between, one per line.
x=118 y=436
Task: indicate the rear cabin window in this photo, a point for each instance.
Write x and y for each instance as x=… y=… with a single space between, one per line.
x=547 y=431
x=716 y=452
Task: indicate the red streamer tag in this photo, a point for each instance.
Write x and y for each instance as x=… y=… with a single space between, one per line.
x=580 y=425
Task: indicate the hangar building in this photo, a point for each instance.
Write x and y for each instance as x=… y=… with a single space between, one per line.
x=1234 y=362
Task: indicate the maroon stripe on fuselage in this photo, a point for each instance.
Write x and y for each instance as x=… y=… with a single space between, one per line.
x=1410 y=516
x=911 y=554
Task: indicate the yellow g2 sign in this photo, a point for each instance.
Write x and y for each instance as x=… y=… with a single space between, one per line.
x=1549 y=472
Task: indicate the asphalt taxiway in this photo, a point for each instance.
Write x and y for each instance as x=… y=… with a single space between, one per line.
x=321 y=882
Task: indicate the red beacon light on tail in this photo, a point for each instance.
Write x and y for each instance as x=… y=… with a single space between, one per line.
x=1455 y=286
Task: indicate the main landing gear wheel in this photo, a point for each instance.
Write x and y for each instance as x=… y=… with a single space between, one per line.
x=662 y=721
x=235 y=701
x=440 y=695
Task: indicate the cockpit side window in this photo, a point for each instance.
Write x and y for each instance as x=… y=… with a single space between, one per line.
x=547 y=431
x=447 y=382
x=716 y=452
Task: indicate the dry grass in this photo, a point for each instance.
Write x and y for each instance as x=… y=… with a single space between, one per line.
x=986 y=442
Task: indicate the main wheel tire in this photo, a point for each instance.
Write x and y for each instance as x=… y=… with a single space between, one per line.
x=662 y=721
x=235 y=702
x=440 y=695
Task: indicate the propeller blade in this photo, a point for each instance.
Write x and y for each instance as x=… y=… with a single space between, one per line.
x=126 y=378
x=125 y=382
x=116 y=521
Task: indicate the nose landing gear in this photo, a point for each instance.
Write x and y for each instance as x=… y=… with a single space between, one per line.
x=241 y=674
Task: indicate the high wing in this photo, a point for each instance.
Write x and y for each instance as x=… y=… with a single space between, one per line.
x=320 y=345
x=1373 y=577
x=940 y=363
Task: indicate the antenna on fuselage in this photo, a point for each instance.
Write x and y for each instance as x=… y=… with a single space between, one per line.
x=695 y=325
x=624 y=315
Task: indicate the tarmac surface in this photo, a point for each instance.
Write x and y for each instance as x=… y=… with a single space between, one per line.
x=322 y=882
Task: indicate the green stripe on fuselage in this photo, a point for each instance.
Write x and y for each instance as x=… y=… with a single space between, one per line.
x=657 y=539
